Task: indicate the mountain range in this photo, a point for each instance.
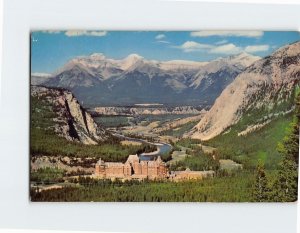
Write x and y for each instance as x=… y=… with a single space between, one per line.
x=100 y=81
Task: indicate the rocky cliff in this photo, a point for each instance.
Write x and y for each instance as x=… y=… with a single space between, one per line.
x=71 y=120
x=264 y=88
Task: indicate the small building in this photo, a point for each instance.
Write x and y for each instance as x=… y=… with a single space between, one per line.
x=190 y=175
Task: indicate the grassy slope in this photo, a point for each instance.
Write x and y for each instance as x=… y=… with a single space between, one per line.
x=180 y=130
x=47 y=175
x=112 y=121
x=255 y=146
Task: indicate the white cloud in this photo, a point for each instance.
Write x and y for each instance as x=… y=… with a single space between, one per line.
x=160 y=37
x=191 y=46
x=256 y=48
x=220 y=48
x=85 y=33
x=163 y=41
x=51 y=31
x=226 y=49
x=221 y=42
x=228 y=33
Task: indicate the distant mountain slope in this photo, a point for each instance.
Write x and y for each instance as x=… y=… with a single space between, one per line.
x=234 y=64
x=39 y=78
x=97 y=80
x=75 y=76
x=68 y=118
x=262 y=90
x=136 y=111
x=215 y=76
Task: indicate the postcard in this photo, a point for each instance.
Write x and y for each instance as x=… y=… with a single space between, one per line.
x=164 y=116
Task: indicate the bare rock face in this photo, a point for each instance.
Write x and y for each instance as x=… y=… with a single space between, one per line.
x=71 y=121
x=264 y=85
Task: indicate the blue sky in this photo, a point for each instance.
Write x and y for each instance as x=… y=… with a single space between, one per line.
x=50 y=50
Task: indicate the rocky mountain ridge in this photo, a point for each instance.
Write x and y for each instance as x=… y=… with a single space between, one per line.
x=235 y=63
x=97 y=80
x=265 y=87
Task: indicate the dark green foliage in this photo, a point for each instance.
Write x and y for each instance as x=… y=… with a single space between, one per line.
x=44 y=141
x=188 y=142
x=121 y=121
x=41 y=113
x=285 y=187
x=236 y=188
x=167 y=156
x=48 y=143
x=112 y=121
x=141 y=137
x=47 y=175
x=196 y=160
x=161 y=118
x=266 y=184
x=255 y=146
x=179 y=131
x=261 y=190
x=260 y=144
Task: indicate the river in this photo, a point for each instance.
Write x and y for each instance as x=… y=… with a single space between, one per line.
x=162 y=148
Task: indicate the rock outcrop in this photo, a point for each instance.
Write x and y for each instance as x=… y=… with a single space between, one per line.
x=71 y=121
x=264 y=86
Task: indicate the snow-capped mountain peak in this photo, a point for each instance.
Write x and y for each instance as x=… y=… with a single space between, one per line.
x=130 y=60
x=134 y=56
x=245 y=59
x=97 y=56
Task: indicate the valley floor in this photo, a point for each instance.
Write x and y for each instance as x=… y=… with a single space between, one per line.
x=69 y=178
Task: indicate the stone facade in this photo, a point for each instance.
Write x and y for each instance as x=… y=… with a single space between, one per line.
x=133 y=168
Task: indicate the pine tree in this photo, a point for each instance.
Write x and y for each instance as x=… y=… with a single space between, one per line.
x=261 y=190
x=285 y=188
x=286 y=184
